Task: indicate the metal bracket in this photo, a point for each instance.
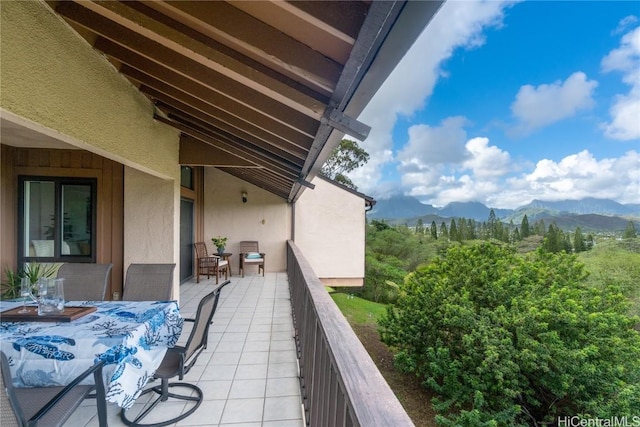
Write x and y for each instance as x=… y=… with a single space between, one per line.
x=349 y=126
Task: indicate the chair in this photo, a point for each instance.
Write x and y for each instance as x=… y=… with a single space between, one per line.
x=148 y=282
x=250 y=255
x=84 y=281
x=48 y=406
x=211 y=265
x=177 y=362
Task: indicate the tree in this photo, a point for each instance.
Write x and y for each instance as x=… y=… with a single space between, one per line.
x=525 y=231
x=444 y=233
x=630 y=231
x=434 y=230
x=492 y=224
x=506 y=340
x=453 y=231
x=420 y=227
x=579 y=244
x=346 y=157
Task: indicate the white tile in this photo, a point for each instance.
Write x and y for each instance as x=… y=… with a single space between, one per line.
x=251 y=372
x=277 y=387
x=243 y=411
x=282 y=408
x=244 y=389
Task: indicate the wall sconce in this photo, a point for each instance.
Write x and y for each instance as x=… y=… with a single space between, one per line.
x=244 y=197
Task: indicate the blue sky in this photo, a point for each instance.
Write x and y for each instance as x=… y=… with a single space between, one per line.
x=506 y=102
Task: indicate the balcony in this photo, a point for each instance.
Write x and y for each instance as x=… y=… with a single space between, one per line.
x=279 y=354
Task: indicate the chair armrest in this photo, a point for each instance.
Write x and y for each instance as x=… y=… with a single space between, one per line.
x=96 y=370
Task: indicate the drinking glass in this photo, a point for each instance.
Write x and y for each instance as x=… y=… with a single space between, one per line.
x=25 y=292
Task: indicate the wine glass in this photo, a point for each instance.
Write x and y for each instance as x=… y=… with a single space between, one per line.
x=25 y=293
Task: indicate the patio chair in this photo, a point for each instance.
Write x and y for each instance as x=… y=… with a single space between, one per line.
x=148 y=282
x=176 y=363
x=211 y=265
x=250 y=255
x=48 y=406
x=84 y=281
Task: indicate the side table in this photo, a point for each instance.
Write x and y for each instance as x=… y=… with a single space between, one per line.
x=227 y=257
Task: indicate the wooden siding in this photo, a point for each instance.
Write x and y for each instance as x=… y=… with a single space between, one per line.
x=67 y=163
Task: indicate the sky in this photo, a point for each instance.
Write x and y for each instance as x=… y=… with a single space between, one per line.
x=504 y=102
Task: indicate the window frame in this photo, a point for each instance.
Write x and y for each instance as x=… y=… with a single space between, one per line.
x=59 y=182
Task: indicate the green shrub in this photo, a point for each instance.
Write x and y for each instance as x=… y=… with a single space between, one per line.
x=505 y=340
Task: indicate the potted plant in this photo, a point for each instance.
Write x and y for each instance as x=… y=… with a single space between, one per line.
x=11 y=285
x=220 y=243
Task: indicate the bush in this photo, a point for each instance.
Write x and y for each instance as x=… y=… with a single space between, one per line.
x=509 y=341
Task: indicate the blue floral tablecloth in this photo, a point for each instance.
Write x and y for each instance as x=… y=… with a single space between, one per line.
x=131 y=337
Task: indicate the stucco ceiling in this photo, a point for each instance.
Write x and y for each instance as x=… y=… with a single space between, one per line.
x=263 y=90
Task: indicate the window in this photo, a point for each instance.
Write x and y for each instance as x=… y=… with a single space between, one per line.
x=186 y=177
x=57 y=219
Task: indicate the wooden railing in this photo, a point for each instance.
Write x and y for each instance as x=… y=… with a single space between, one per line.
x=340 y=384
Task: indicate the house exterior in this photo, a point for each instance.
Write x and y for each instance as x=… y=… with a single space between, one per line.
x=143 y=154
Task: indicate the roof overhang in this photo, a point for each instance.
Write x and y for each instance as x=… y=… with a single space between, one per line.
x=263 y=90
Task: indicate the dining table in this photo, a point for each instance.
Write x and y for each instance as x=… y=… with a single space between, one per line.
x=131 y=337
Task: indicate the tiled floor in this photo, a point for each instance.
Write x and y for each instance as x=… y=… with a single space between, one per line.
x=249 y=372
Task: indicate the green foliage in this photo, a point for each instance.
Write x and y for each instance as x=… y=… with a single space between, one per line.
x=346 y=157
x=505 y=339
x=616 y=262
x=357 y=310
x=34 y=270
x=630 y=231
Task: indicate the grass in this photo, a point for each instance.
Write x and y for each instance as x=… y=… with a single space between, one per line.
x=357 y=310
x=616 y=261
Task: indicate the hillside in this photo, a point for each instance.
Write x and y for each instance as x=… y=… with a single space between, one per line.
x=589 y=213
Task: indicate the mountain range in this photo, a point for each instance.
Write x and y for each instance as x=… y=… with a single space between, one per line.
x=591 y=213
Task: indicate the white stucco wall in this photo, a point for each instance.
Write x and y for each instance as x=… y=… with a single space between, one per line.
x=53 y=77
x=265 y=218
x=52 y=81
x=151 y=228
x=330 y=231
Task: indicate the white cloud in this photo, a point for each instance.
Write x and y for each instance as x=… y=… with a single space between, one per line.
x=625 y=23
x=439 y=165
x=540 y=106
x=486 y=161
x=457 y=24
x=625 y=111
x=575 y=177
x=432 y=145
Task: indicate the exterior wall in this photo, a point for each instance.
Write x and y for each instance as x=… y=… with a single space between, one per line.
x=53 y=82
x=51 y=76
x=330 y=232
x=150 y=228
x=265 y=218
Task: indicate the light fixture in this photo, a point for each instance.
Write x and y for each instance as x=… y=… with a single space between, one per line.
x=244 y=197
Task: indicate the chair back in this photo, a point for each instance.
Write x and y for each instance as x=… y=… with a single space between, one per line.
x=84 y=281
x=197 y=340
x=10 y=412
x=201 y=250
x=148 y=282
x=249 y=246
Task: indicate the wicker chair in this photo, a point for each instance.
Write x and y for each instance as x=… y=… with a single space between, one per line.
x=209 y=265
x=84 y=281
x=250 y=255
x=176 y=363
x=148 y=282
x=48 y=406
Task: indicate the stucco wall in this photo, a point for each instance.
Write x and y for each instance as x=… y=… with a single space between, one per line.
x=151 y=227
x=265 y=218
x=330 y=232
x=51 y=76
